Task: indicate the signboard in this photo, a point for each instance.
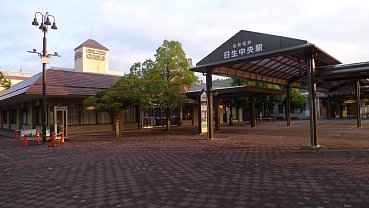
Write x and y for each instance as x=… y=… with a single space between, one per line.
x=204 y=112
x=247 y=43
x=91 y=54
x=95 y=54
x=243 y=48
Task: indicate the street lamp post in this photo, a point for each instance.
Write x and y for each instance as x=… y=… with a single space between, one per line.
x=45 y=22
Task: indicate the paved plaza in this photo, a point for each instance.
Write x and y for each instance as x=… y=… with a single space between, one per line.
x=268 y=166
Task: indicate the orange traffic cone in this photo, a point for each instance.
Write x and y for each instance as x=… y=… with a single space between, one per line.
x=53 y=144
x=16 y=135
x=62 y=138
x=38 y=137
x=25 y=144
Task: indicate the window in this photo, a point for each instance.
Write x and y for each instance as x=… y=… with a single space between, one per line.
x=104 y=118
x=73 y=115
x=88 y=116
x=38 y=115
x=280 y=108
x=187 y=113
x=5 y=116
x=130 y=114
x=13 y=116
x=25 y=116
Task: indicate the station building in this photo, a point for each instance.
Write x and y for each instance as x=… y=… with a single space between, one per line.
x=20 y=105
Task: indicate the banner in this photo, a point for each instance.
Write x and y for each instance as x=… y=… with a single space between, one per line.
x=204 y=112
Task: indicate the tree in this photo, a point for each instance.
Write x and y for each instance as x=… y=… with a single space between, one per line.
x=6 y=83
x=128 y=91
x=149 y=83
x=297 y=99
x=171 y=73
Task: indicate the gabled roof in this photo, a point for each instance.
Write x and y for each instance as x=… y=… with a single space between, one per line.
x=92 y=44
x=264 y=57
x=260 y=43
x=59 y=83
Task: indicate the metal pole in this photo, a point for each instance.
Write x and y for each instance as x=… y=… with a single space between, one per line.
x=358 y=104
x=288 y=105
x=312 y=102
x=209 y=86
x=44 y=107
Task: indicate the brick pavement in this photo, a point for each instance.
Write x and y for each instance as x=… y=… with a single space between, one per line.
x=263 y=167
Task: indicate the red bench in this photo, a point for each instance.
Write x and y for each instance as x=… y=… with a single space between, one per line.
x=270 y=119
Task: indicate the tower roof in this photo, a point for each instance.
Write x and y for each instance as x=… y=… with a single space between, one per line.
x=92 y=44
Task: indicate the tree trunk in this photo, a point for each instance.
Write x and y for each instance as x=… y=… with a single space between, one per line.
x=116 y=128
x=168 y=124
x=168 y=120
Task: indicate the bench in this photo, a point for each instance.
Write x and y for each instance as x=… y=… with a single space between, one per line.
x=270 y=119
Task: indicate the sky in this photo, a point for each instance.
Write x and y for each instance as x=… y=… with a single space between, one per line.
x=133 y=30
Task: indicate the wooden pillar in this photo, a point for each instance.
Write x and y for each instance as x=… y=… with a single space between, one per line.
x=225 y=118
x=216 y=112
x=358 y=104
x=329 y=108
x=312 y=101
x=209 y=88
x=288 y=105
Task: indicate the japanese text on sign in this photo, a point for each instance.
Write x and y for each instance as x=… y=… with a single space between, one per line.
x=243 y=48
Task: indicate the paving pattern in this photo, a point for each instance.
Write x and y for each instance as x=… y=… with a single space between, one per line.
x=268 y=166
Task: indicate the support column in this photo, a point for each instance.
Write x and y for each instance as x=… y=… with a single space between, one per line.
x=1 y=118
x=358 y=104
x=225 y=118
x=231 y=114
x=216 y=112
x=329 y=113
x=252 y=118
x=288 y=105
x=9 y=116
x=209 y=88
x=199 y=114
x=312 y=102
x=20 y=116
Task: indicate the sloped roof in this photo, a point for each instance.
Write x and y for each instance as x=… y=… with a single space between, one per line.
x=264 y=57
x=20 y=87
x=58 y=83
x=90 y=43
x=232 y=92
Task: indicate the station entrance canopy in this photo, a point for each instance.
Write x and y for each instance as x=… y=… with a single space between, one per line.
x=269 y=58
x=263 y=57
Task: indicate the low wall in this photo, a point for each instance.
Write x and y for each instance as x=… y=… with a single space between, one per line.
x=90 y=128
x=6 y=132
